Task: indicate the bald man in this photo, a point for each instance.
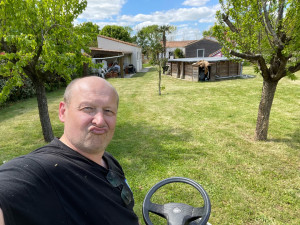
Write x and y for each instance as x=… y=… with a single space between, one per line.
x=72 y=180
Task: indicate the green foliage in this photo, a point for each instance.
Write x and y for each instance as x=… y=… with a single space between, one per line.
x=39 y=40
x=178 y=53
x=117 y=32
x=208 y=33
x=264 y=30
x=152 y=39
x=149 y=38
x=89 y=32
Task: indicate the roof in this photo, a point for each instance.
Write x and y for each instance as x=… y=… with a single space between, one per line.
x=205 y=39
x=208 y=59
x=178 y=44
x=215 y=53
x=104 y=50
x=116 y=40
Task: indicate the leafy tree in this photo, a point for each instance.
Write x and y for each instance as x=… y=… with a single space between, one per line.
x=90 y=32
x=39 y=42
x=149 y=38
x=208 y=33
x=117 y=32
x=178 y=53
x=265 y=32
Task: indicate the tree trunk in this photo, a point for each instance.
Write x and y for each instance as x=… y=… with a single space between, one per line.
x=159 y=78
x=43 y=111
x=267 y=96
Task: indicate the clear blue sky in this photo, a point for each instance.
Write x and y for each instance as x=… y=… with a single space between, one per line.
x=191 y=17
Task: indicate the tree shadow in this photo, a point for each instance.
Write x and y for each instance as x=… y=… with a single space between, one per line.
x=148 y=147
x=292 y=142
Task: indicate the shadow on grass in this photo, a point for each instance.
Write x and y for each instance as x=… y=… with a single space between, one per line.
x=17 y=108
x=149 y=149
x=292 y=142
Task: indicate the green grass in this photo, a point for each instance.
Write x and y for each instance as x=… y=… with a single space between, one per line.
x=203 y=131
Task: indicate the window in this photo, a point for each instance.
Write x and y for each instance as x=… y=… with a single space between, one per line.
x=200 y=53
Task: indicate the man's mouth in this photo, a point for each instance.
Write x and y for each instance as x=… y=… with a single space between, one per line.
x=98 y=130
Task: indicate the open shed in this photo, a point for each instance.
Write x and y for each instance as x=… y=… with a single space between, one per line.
x=192 y=69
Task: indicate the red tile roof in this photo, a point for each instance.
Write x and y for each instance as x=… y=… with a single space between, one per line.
x=178 y=44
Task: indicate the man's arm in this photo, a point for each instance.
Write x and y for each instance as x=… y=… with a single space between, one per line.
x=1 y=218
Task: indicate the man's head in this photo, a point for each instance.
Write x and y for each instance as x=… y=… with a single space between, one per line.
x=89 y=113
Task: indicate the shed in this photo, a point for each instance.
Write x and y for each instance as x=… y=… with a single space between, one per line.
x=217 y=68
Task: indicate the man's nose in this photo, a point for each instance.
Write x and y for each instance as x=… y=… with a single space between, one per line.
x=99 y=118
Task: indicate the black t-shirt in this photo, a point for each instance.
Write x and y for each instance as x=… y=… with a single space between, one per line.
x=55 y=185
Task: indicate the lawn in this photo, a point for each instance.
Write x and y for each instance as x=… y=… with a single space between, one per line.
x=203 y=131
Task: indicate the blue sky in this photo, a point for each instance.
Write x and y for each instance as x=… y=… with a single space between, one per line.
x=191 y=17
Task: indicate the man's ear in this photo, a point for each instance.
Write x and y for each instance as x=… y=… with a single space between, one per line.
x=62 y=110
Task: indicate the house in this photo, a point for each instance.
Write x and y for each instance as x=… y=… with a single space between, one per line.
x=194 y=49
x=202 y=48
x=131 y=53
x=202 y=69
x=111 y=51
x=172 y=45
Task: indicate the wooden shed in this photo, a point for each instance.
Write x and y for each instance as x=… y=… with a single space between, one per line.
x=192 y=69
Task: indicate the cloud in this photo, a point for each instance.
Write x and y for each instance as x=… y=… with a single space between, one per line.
x=104 y=9
x=195 y=2
x=200 y=14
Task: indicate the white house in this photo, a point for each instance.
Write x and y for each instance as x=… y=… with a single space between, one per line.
x=131 y=53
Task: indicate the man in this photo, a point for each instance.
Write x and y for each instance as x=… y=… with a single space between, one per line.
x=117 y=67
x=72 y=180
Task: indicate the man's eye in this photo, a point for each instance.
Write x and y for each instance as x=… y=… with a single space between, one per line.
x=109 y=112
x=88 y=109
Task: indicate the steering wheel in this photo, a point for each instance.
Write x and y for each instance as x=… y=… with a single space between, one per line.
x=177 y=213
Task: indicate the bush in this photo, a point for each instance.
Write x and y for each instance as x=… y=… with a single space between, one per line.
x=178 y=53
x=17 y=93
x=27 y=90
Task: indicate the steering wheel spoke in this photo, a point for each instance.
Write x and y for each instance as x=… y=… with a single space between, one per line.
x=157 y=209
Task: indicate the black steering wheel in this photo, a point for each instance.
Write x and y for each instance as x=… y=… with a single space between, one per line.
x=177 y=213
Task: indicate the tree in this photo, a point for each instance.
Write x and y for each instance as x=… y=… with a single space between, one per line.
x=149 y=38
x=117 y=32
x=208 y=33
x=90 y=32
x=266 y=33
x=178 y=53
x=39 y=42
x=164 y=30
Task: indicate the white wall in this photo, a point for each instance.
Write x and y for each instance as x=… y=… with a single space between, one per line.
x=136 y=52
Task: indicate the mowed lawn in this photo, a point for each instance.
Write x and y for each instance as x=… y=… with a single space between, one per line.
x=203 y=131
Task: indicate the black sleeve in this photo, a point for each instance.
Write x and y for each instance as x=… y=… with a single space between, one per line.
x=26 y=194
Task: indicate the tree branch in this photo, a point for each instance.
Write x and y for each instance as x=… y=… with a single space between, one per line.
x=280 y=12
x=254 y=58
x=229 y=24
x=269 y=26
x=295 y=68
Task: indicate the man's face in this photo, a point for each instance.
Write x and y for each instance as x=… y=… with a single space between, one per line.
x=90 y=117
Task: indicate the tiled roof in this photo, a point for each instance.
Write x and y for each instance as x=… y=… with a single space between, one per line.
x=116 y=40
x=178 y=44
